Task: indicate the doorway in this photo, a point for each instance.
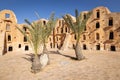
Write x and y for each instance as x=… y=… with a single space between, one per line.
x=112 y=48
x=98 y=47
x=10 y=48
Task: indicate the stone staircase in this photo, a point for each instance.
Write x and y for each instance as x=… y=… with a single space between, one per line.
x=66 y=42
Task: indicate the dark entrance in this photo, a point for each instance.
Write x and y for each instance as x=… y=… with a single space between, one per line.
x=113 y=48
x=10 y=48
x=97 y=47
x=26 y=48
x=84 y=47
x=111 y=36
x=51 y=45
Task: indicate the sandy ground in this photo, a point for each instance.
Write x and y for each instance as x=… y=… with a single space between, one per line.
x=96 y=66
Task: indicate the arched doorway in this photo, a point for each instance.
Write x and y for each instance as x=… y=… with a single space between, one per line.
x=26 y=48
x=84 y=47
x=10 y=48
x=50 y=45
x=98 y=47
x=111 y=35
x=113 y=48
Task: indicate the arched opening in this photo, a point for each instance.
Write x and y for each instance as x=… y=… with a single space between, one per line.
x=98 y=14
x=24 y=28
x=66 y=29
x=84 y=37
x=19 y=46
x=57 y=46
x=111 y=35
x=44 y=22
x=84 y=16
x=75 y=37
x=85 y=28
x=110 y=21
x=84 y=47
x=97 y=25
x=73 y=46
x=7 y=15
x=25 y=39
x=10 y=48
x=26 y=48
x=97 y=36
x=7 y=27
x=98 y=47
x=113 y=48
x=50 y=45
x=9 y=38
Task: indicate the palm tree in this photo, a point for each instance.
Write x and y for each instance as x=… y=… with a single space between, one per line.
x=38 y=34
x=48 y=28
x=77 y=27
x=34 y=38
x=46 y=31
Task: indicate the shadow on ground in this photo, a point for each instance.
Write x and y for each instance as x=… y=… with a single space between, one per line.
x=31 y=56
x=57 y=52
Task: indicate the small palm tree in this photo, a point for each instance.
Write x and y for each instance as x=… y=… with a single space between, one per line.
x=46 y=31
x=38 y=34
x=48 y=28
x=77 y=27
x=34 y=38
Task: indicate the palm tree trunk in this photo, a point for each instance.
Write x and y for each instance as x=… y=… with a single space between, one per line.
x=45 y=51
x=78 y=52
x=36 y=66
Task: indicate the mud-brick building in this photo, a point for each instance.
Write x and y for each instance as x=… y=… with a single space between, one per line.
x=10 y=38
x=102 y=32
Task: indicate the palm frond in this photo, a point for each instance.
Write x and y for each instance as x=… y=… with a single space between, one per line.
x=78 y=26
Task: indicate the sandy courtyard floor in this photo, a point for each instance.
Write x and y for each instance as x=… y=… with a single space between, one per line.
x=96 y=66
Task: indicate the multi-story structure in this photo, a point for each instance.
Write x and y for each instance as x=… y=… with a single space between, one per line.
x=102 y=32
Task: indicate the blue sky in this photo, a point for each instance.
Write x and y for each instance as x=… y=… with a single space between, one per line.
x=25 y=9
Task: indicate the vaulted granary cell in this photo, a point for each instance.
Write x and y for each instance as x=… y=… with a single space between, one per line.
x=84 y=47
x=9 y=37
x=113 y=48
x=75 y=37
x=25 y=39
x=10 y=48
x=97 y=36
x=7 y=27
x=110 y=23
x=111 y=35
x=44 y=22
x=84 y=37
x=57 y=46
x=19 y=46
x=97 y=25
x=66 y=29
x=98 y=47
x=26 y=48
x=50 y=45
x=98 y=14
x=24 y=28
x=84 y=16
